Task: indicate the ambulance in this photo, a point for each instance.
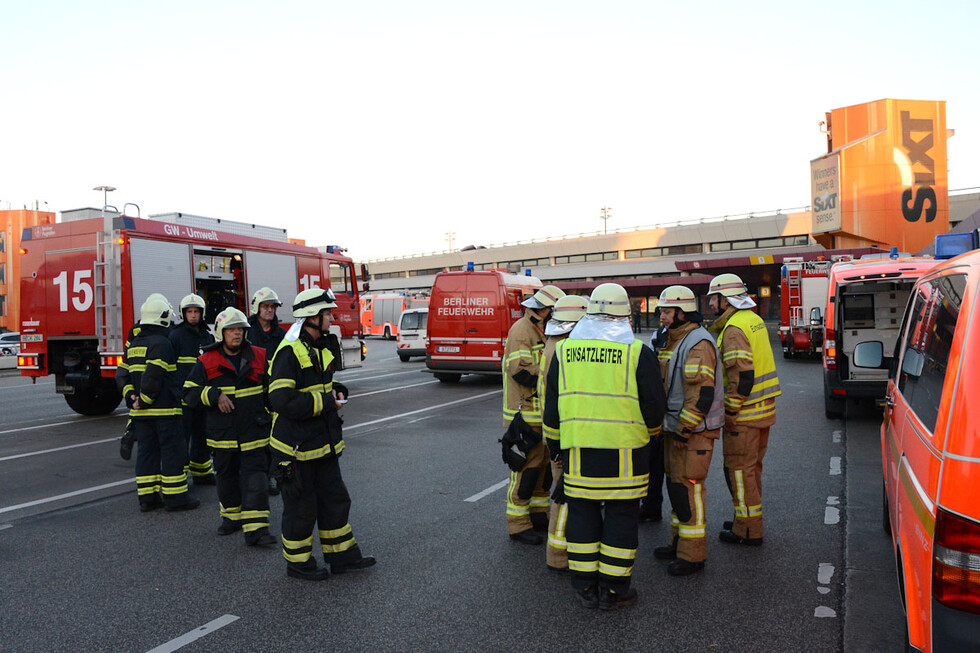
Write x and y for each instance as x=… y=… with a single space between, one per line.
x=865 y=301
x=83 y=281
x=930 y=444
x=470 y=314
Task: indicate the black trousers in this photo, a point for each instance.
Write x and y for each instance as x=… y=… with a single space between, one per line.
x=160 y=460
x=243 y=484
x=317 y=497
x=199 y=453
x=655 y=492
x=602 y=539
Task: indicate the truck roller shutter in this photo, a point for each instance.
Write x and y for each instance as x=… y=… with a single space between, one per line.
x=160 y=267
x=277 y=271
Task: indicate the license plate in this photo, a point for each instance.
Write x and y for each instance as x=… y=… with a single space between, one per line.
x=32 y=337
x=447 y=350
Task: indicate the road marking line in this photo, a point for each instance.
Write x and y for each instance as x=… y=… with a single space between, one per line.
x=4 y=527
x=195 y=634
x=39 y=502
x=835 y=465
x=74 y=421
x=823 y=590
x=70 y=446
x=833 y=501
x=824 y=611
x=825 y=572
x=401 y=387
x=369 y=378
x=836 y=436
x=421 y=419
x=831 y=515
x=490 y=490
x=422 y=410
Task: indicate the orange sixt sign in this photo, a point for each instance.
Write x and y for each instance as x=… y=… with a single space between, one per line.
x=918 y=141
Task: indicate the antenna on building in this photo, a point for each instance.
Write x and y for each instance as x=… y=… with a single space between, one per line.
x=605 y=218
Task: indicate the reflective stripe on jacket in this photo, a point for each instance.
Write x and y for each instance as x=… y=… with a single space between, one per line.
x=766 y=382
x=149 y=370
x=522 y=353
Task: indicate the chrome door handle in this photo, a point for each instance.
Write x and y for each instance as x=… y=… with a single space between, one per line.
x=889 y=401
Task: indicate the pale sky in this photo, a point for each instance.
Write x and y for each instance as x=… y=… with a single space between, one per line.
x=382 y=125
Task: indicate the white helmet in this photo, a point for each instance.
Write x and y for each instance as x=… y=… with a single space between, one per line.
x=568 y=310
x=155 y=311
x=230 y=317
x=191 y=301
x=544 y=297
x=263 y=295
x=610 y=299
x=731 y=287
x=310 y=302
x=680 y=297
x=161 y=297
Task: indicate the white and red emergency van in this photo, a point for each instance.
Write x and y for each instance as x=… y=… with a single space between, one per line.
x=470 y=314
x=83 y=281
x=802 y=298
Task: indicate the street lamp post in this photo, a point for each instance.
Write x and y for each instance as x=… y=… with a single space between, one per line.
x=449 y=237
x=605 y=218
x=105 y=195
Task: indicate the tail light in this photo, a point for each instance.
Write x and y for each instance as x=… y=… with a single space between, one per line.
x=830 y=349
x=111 y=360
x=29 y=361
x=956 y=562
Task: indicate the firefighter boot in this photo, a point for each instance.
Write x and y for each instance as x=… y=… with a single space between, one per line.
x=539 y=521
x=588 y=597
x=650 y=513
x=207 y=479
x=190 y=504
x=306 y=570
x=668 y=552
x=228 y=526
x=260 y=538
x=527 y=537
x=610 y=600
x=732 y=538
x=357 y=565
x=681 y=567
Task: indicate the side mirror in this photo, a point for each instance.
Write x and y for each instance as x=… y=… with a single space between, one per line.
x=868 y=354
x=365 y=286
x=816 y=318
x=912 y=363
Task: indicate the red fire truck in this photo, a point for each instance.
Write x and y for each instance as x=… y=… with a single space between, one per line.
x=802 y=298
x=83 y=281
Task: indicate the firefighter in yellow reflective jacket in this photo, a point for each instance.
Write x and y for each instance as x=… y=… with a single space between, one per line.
x=606 y=399
x=751 y=388
x=228 y=384
x=147 y=378
x=527 y=494
x=568 y=311
x=691 y=370
x=307 y=441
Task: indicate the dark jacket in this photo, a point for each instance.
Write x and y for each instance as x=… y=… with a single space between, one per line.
x=189 y=342
x=267 y=340
x=300 y=392
x=247 y=426
x=149 y=370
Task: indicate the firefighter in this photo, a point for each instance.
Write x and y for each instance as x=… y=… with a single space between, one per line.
x=307 y=442
x=567 y=312
x=147 y=378
x=264 y=331
x=692 y=374
x=189 y=339
x=650 y=507
x=228 y=384
x=527 y=494
x=751 y=388
x=605 y=393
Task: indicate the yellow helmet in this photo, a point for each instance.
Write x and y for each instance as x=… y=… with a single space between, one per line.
x=568 y=310
x=191 y=301
x=680 y=297
x=544 y=297
x=727 y=285
x=610 y=299
x=310 y=302
x=155 y=311
x=263 y=295
x=230 y=317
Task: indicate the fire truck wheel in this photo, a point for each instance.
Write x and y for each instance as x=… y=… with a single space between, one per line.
x=448 y=378
x=101 y=400
x=387 y=335
x=787 y=353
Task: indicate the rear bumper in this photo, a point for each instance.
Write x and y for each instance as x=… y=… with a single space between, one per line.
x=853 y=389
x=954 y=630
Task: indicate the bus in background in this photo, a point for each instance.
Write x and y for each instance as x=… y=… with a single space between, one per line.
x=381 y=311
x=412 y=336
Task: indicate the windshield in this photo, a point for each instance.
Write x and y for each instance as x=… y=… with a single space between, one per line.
x=414 y=321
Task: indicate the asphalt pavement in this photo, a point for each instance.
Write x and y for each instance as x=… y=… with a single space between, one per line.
x=82 y=569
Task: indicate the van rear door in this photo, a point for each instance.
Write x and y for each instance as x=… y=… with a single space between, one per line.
x=483 y=312
x=867 y=311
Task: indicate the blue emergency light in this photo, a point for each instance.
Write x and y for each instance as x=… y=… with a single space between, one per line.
x=527 y=272
x=469 y=266
x=950 y=245
x=893 y=253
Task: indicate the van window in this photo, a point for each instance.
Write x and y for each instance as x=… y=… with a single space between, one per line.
x=412 y=321
x=927 y=342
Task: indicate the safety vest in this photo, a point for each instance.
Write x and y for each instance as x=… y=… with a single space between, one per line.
x=715 y=417
x=766 y=383
x=598 y=400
